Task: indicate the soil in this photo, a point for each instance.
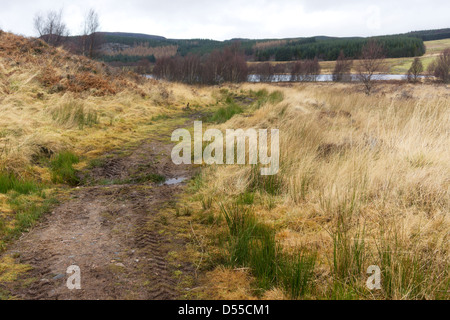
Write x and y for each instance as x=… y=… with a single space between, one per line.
x=115 y=229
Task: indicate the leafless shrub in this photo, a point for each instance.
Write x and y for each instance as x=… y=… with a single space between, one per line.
x=415 y=70
x=305 y=70
x=50 y=27
x=265 y=71
x=228 y=65
x=342 y=69
x=371 y=62
x=440 y=67
x=91 y=26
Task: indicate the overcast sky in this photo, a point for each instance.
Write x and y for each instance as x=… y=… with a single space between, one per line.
x=226 y=19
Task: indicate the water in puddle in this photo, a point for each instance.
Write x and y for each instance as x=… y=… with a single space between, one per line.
x=174 y=181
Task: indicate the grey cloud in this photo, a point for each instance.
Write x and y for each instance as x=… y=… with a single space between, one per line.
x=251 y=19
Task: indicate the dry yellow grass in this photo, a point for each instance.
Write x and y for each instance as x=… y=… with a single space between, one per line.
x=351 y=162
x=29 y=123
x=38 y=121
x=227 y=284
x=10 y=271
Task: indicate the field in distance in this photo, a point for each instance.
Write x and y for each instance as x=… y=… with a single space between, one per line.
x=396 y=65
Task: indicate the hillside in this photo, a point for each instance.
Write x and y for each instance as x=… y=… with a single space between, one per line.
x=53 y=102
x=119 y=48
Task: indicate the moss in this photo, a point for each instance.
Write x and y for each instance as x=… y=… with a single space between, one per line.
x=10 y=271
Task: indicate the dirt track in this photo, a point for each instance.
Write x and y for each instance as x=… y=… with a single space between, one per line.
x=112 y=229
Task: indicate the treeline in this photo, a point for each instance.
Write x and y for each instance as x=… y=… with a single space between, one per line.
x=328 y=50
x=227 y=65
x=430 y=35
x=126 y=58
x=302 y=70
x=324 y=48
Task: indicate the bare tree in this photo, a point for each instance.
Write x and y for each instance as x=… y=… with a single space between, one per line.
x=342 y=68
x=90 y=28
x=305 y=70
x=265 y=71
x=50 y=27
x=440 y=67
x=371 y=62
x=415 y=70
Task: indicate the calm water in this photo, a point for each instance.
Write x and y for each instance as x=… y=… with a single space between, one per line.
x=174 y=181
x=326 y=77
x=319 y=78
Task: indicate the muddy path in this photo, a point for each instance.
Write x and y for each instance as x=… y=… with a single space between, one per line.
x=115 y=229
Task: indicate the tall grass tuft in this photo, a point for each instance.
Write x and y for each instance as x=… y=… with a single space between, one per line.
x=263 y=96
x=74 y=113
x=406 y=271
x=252 y=244
x=271 y=184
x=297 y=273
x=349 y=252
x=9 y=181
x=227 y=112
x=62 y=168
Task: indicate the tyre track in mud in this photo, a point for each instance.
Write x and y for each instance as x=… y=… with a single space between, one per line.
x=112 y=232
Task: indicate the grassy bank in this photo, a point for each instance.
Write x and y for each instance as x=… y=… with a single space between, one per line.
x=59 y=112
x=363 y=181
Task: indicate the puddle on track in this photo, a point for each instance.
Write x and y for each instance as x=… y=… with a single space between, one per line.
x=175 y=181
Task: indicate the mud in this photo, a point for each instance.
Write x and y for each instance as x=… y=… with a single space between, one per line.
x=113 y=228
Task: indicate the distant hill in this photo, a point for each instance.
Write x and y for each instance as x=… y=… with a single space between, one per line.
x=122 y=48
x=132 y=35
x=429 y=35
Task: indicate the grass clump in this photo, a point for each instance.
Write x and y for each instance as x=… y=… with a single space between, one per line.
x=263 y=96
x=27 y=210
x=9 y=181
x=270 y=184
x=227 y=112
x=406 y=271
x=297 y=272
x=252 y=244
x=246 y=198
x=74 y=113
x=160 y=117
x=349 y=252
x=62 y=168
x=206 y=202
